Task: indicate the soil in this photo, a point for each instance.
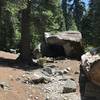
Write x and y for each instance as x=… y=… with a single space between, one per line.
x=16 y=89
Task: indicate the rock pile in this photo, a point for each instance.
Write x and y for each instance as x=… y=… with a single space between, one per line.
x=55 y=83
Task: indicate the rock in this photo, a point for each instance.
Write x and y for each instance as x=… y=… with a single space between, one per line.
x=36 y=98
x=62 y=36
x=18 y=79
x=51 y=66
x=77 y=72
x=68 y=69
x=88 y=58
x=34 y=60
x=47 y=98
x=57 y=97
x=90 y=64
x=13 y=51
x=71 y=96
x=42 y=61
x=11 y=77
x=70 y=86
x=4 y=85
x=40 y=80
x=37 y=51
x=37 y=81
x=68 y=43
x=59 y=72
x=49 y=60
x=37 y=78
x=62 y=72
x=47 y=71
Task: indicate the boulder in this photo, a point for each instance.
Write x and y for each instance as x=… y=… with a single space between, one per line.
x=63 y=44
x=68 y=44
x=90 y=63
x=70 y=86
x=36 y=78
x=62 y=37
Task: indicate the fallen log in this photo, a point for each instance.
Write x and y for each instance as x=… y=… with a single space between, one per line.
x=90 y=63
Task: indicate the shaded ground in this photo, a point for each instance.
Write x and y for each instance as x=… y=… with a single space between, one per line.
x=13 y=75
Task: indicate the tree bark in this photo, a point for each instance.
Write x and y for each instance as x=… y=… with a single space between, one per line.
x=25 y=43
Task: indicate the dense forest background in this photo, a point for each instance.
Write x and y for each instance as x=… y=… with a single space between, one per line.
x=23 y=22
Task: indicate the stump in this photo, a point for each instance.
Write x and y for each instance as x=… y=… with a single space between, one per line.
x=91 y=66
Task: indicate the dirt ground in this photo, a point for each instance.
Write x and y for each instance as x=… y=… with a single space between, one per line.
x=13 y=89
x=18 y=90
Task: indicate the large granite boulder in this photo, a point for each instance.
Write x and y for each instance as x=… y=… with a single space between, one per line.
x=61 y=37
x=67 y=44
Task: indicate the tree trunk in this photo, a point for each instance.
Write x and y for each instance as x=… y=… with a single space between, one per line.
x=91 y=67
x=25 y=43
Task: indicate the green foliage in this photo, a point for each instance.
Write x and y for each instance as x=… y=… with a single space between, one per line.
x=88 y=48
x=73 y=26
x=7 y=33
x=47 y=16
x=96 y=24
x=90 y=25
x=73 y=10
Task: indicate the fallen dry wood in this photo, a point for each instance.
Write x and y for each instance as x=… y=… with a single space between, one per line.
x=91 y=66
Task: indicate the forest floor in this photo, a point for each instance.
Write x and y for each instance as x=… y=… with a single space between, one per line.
x=19 y=83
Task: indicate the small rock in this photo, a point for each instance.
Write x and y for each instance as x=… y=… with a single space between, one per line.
x=68 y=69
x=49 y=60
x=4 y=85
x=47 y=98
x=37 y=80
x=41 y=80
x=11 y=77
x=76 y=72
x=26 y=81
x=70 y=86
x=48 y=70
x=51 y=66
x=23 y=75
x=72 y=96
x=36 y=98
x=58 y=72
x=42 y=61
x=65 y=71
x=18 y=79
x=34 y=60
x=13 y=51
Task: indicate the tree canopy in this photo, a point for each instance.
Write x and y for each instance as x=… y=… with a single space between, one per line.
x=27 y=20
